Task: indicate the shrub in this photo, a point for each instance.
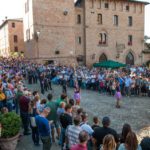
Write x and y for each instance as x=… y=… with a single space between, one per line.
x=11 y=124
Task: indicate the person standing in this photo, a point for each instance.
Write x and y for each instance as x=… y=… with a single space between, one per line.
x=44 y=128
x=118 y=97
x=65 y=121
x=17 y=97
x=64 y=85
x=53 y=116
x=108 y=143
x=131 y=143
x=125 y=130
x=73 y=131
x=84 y=124
x=9 y=98
x=33 y=113
x=41 y=78
x=96 y=122
x=83 y=139
x=77 y=96
x=24 y=107
x=100 y=132
x=128 y=82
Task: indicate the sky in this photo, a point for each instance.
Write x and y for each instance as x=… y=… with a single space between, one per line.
x=14 y=9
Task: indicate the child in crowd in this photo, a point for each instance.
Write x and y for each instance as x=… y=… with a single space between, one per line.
x=118 y=97
x=77 y=96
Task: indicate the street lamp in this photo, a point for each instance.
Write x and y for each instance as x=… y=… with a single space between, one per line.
x=37 y=35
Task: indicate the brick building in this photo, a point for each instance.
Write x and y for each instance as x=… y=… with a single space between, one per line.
x=86 y=32
x=11 y=37
x=146 y=54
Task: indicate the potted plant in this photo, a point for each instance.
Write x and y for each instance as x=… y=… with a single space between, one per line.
x=10 y=124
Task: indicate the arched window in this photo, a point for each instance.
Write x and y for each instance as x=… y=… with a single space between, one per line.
x=103 y=57
x=103 y=38
x=130 y=59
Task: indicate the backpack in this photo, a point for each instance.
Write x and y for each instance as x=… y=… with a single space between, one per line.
x=33 y=122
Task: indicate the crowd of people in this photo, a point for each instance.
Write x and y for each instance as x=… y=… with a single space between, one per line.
x=64 y=120
x=134 y=81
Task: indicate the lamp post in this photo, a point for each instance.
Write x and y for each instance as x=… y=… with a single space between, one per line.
x=37 y=35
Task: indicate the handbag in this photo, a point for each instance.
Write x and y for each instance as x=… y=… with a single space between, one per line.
x=33 y=122
x=2 y=96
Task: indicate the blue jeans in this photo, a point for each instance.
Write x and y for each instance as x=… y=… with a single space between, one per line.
x=127 y=91
x=16 y=107
x=62 y=137
x=9 y=104
x=42 y=88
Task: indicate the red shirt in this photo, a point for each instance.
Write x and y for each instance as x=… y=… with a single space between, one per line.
x=24 y=103
x=79 y=147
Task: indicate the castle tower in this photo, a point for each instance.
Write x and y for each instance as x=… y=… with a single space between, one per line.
x=50 y=30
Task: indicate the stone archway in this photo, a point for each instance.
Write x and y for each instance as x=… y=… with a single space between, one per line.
x=103 y=57
x=130 y=59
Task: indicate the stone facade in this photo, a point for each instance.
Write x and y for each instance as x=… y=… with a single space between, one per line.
x=84 y=33
x=11 y=37
x=52 y=36
x=146 y=54
x=115 y=45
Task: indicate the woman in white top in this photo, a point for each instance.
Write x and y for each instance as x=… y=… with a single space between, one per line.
x=131 y=143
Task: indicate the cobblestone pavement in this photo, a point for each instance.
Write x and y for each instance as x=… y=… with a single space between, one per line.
x=134 y=110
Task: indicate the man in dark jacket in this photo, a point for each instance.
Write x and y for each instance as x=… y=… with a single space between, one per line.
x=65 y=121
x=100 y=132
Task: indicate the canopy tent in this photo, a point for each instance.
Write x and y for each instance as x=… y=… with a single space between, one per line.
x=109 y=64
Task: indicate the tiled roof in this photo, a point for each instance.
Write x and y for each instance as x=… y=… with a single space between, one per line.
x=19 y=19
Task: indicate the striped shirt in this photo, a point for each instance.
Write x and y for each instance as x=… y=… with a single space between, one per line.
x=72 y=134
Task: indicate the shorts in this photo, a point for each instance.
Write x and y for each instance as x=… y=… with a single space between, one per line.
x=55 y=124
